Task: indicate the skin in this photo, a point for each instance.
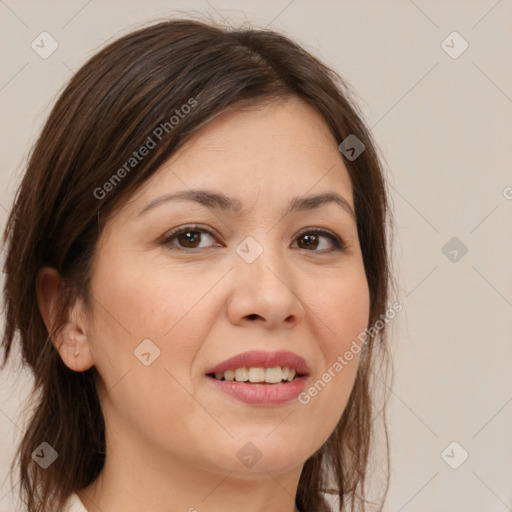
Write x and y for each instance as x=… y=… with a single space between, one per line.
x=172 y=437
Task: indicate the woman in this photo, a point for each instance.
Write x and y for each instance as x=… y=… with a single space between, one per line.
x=196 y=264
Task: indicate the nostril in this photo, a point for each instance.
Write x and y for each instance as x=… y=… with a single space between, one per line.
x=254 y=316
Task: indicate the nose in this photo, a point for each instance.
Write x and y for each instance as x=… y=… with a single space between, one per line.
x=265 y=293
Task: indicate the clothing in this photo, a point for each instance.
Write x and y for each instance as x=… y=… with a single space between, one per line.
x=74 y=504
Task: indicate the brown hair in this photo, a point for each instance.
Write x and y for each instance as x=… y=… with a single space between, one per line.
x=107 y=111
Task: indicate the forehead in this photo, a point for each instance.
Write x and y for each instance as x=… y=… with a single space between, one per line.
x=278 y=150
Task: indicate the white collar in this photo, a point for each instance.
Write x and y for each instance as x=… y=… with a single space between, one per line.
x=74 y=504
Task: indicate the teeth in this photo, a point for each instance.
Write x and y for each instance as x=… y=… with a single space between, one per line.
x=241 y=375
x=228 y=375
x=274 y=375
x=258 y=374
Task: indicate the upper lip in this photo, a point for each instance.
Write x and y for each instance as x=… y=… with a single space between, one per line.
x=259 y=359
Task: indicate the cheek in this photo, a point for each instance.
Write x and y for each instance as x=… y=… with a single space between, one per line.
x=174 y=312
x=171 y=308
x=349 y=311
x=343 y=305
x=145 y=300
x=343 y=309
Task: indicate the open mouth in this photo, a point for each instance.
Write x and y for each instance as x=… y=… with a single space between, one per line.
x=258 y=375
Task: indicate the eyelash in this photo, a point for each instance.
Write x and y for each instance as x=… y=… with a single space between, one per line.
x=175 y=233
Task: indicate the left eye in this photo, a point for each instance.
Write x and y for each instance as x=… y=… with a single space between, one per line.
x=315 y=240
x=312 y=240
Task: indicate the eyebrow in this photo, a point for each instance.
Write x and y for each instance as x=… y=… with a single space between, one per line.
x=220 y=201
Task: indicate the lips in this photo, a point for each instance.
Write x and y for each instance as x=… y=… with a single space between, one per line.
x=272 y=392
x=260 y=359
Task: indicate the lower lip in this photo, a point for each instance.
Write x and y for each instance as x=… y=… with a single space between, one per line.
x=261 y=394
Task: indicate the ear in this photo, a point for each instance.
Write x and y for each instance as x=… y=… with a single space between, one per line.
x=71 y=340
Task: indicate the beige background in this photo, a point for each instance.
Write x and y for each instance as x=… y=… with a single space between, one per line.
x=444 y=126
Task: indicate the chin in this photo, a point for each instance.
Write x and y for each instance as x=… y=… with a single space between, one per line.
x=255 y=455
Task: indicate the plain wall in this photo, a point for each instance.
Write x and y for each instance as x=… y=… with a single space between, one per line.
x=444 y=127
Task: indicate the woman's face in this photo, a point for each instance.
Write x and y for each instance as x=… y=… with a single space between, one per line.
x=248 y=273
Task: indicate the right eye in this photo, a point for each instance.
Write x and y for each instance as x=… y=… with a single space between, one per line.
x=186 y=237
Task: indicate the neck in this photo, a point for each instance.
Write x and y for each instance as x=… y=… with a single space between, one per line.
x=129 y=484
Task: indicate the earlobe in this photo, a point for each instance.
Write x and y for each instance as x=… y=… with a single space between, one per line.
x=73 y=347
x=70 y=340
